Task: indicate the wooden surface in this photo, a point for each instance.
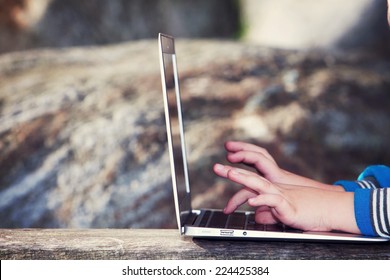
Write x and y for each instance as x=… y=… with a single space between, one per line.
x=165 y=244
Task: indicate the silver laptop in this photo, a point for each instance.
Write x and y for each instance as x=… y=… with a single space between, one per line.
x=213 y=223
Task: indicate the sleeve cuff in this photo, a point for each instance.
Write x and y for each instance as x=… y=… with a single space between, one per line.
x=362 y=206
x=349 y=186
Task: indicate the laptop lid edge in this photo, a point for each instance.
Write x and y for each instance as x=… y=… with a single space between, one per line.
x=167 y=46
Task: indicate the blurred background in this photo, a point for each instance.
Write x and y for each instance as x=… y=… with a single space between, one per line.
x=82 y=129
x=26 y=24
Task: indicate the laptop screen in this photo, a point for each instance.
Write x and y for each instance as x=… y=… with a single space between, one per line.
x=175 y=127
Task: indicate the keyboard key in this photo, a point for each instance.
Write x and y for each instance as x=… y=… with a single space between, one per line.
x=252 y=225
x=205 y=219
x=218 y=220
x=236 y=221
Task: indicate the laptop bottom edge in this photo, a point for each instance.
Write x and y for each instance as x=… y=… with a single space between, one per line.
x=231 y=228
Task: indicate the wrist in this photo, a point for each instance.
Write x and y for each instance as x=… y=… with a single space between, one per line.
x=333 y=187
x=342 y=213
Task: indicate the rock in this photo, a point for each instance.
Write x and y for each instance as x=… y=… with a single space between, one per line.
x=82 y=130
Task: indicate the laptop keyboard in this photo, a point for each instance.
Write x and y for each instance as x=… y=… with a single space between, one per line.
x=239 y=220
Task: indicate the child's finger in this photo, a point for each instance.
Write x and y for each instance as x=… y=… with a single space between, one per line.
x=252 y=181
x=262 y=163
x=222 y=170
x=281 y=208
x=238 y=199
x=263 y=215
x=235 y=146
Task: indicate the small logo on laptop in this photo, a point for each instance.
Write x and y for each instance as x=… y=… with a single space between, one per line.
x=226 y=232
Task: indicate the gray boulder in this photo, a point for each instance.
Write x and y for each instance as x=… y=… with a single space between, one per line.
x=83 y=140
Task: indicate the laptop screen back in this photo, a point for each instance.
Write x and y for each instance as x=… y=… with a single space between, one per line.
x=175 y=128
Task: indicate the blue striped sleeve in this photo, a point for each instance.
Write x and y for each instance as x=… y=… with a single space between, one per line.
x=381 y=173
x=371 y=200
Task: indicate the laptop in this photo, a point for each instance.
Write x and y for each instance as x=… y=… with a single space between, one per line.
x=213 y=223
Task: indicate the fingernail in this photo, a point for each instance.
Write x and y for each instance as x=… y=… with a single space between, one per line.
x=251 y=201
x=218 y=167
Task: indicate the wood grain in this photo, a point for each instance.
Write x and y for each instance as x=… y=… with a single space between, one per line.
x=106 y=244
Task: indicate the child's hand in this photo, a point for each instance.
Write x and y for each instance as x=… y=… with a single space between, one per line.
x=240 y=152
x=306 y=208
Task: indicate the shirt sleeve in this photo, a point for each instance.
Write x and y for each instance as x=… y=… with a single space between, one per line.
x=371 y=200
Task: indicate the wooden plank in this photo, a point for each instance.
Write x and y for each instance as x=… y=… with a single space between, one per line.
x=165 y=244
